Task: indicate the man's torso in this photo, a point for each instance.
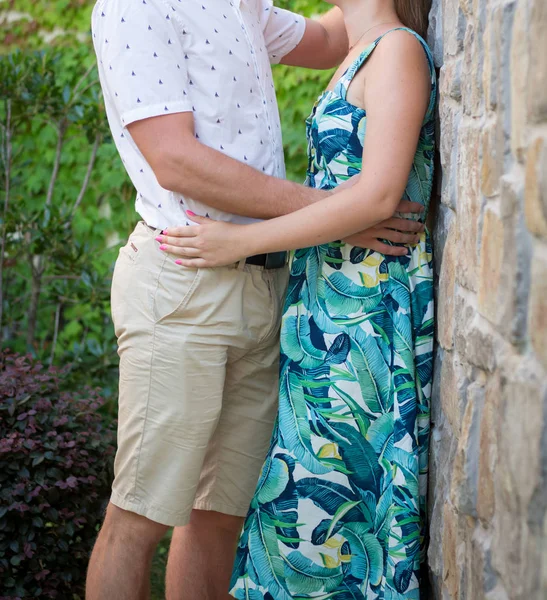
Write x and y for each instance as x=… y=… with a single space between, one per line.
x=223 y=70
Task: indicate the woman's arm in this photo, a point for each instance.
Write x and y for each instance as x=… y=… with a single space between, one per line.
x=397 y=92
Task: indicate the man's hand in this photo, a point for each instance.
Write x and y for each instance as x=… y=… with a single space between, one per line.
x=396 y=230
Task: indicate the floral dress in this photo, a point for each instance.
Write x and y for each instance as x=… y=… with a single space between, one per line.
x=339 y=510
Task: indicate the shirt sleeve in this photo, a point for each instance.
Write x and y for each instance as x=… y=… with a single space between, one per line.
x=139 y=48
x=283 y=30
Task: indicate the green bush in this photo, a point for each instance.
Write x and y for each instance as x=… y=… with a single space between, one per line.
x=66 y=204
x=65 y=200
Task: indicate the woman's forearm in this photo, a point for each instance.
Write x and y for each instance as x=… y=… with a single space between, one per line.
x=334 y=218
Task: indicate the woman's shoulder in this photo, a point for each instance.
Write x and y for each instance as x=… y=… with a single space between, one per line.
x=400 y=41
x=403 y=48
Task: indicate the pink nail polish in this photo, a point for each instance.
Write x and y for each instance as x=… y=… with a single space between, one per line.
x=163 y=247
x=192 y=214
x=159 y=239
x=178 y=262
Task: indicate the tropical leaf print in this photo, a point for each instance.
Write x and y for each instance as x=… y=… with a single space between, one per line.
x=306 y=577
x=339 y=509
x=266 y=558
x=294 y=425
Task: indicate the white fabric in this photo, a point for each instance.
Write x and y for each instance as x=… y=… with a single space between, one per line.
x=211 y=57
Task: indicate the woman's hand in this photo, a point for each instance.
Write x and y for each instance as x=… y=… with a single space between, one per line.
x=208 y=244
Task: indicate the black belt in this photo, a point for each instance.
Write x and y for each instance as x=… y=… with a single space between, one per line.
x=273 y=260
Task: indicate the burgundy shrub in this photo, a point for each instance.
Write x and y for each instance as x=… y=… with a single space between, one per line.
x=55 y=473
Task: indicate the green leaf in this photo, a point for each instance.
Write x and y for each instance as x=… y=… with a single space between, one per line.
x=306 y=577
x=275 y=481
x=340 y=513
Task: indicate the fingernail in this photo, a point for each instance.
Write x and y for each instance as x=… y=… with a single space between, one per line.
x=159 y=239
x=192 y=214
x=162 y=247
x=178 y=262
x=163 y=232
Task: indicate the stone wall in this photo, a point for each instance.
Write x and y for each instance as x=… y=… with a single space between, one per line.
x=488 y=494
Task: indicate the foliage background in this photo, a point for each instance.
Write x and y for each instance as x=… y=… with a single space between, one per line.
x=73 y=321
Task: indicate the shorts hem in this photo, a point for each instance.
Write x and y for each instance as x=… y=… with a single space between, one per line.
x=225 y=509
x=158 y=515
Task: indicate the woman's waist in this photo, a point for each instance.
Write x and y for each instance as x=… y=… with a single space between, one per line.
x=340 y=254
x=348 y=250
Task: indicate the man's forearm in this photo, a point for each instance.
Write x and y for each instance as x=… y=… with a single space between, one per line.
x=221 y=182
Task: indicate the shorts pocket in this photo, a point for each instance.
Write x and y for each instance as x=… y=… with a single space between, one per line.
x=175 y=287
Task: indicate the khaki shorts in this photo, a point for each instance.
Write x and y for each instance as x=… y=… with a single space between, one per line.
x=199 y=355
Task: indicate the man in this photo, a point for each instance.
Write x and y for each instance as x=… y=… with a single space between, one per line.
x=191 y=104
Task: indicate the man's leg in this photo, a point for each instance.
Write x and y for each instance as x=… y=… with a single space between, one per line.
x=172 y=373
x=202 y=553
x=202 y=556
x=120 y=564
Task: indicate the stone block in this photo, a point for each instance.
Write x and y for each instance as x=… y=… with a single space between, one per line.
x=505 y=264
x=510 y=532
x=520 y=53
x=454 y=28
x=445 y=299
x=520 y=427
x=464 y=489
x=477 y=549
x=491 y=57
x=450 y=551
x=468 y=206
x=474 y=338
x=537 y=312
x=453 y=385
x=543 y=584
x=535 y=191
x=449 y=151
x=537 y=73
x=511 y=193
x=487 y=458
x=473 y=55
x=451 y=79
x=498 y=593
x=516 y=556
x=492 y=158
x=491 y=265
x=445 y=218
x=505 y=79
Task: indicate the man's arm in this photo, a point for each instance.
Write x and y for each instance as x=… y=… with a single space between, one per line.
x=324 y=44
x=184 y=165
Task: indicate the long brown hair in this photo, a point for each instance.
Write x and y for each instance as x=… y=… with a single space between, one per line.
x=414 y=14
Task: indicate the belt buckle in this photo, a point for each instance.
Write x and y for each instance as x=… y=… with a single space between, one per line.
x=275 y=260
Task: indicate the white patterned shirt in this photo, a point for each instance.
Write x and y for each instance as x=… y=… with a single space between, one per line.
x=211 y=57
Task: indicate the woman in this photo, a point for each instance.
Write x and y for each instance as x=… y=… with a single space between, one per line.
x=339 y=511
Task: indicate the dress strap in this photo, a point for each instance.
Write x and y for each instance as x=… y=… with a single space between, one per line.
x=342 y=86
